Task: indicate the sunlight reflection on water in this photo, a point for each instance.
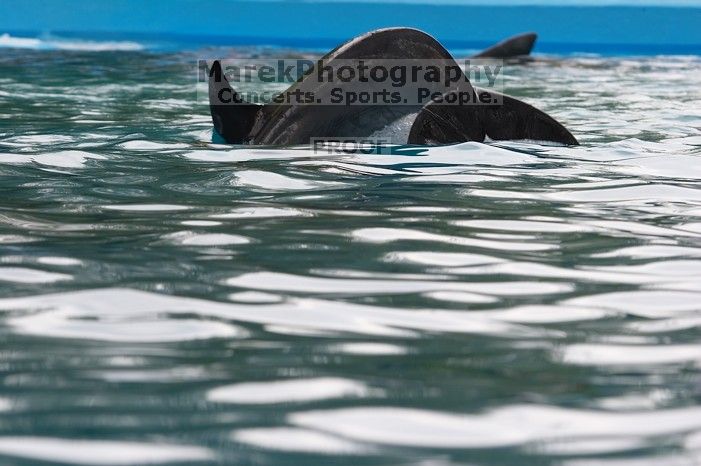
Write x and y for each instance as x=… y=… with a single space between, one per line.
x=179 y=301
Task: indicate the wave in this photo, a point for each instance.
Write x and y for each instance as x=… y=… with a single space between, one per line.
x=56 y=43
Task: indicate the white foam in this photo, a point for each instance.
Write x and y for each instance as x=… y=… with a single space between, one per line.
x=502 y=427
x=146 y=207
x=659 y=273
x=272 y=281
x=369 y=349
x=296 y=440
x=150 y=145
x=262 y=212
x=25 y=275
x=459 y=297
x=544 y=314
x=626 y=355
x=187 y=238
x=200 y=223
x=61 y=159
x=100 y=452
x=243 y=155
x=651 y=252
x=288 y=391
x=5 y=404
x=270 y=181
x=55 y=43
x=116 y=315
x=255 y=297
x=522 y=226
x=386 y=235
x=650 y=304
x=125 y=315
x=14 y=239
x=62 y=261
x=447 y=259
x=151 y=375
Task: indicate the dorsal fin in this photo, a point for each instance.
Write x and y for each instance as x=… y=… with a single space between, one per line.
x=515 y=46
x=232 y=117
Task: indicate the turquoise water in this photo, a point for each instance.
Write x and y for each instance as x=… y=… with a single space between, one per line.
x=165 y=300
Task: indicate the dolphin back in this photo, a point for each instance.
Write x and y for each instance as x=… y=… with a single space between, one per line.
x=297 y=124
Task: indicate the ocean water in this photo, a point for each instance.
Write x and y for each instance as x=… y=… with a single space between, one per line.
x=167 y=300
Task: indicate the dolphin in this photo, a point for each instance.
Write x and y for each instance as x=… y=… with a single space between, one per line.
x=434 y=123
x=515 y=46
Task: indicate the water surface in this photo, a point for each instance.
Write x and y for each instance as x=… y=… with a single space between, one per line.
x=166 y=300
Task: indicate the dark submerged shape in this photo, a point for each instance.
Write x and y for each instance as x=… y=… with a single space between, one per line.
x=285 y=124
x=516 y=46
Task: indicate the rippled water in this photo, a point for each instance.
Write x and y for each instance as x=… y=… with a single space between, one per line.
x=167 y=300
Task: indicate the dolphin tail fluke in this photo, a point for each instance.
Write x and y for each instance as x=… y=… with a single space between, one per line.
x=515 y=46
x=232 y=117
x=511 y=119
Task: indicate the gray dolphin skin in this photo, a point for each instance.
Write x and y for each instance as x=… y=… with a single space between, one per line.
x=285 y=124
x=516 y=46
x=510 y=120
x=297 y=124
